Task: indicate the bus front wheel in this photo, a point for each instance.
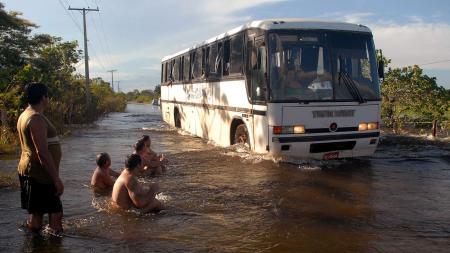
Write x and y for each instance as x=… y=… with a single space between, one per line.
x=241 y=135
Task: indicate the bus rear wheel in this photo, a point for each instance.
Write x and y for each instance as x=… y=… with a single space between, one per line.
x=241 y=135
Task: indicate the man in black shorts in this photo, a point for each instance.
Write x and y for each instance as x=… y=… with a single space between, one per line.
x=41 y=186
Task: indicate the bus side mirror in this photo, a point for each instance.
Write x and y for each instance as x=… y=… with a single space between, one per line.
x=381 y=69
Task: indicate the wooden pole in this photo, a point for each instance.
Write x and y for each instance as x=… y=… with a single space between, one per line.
x=434 y=127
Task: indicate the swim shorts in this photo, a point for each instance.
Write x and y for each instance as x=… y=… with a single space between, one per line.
x=38 y=198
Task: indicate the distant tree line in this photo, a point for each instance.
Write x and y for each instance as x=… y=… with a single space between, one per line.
x=410 y=96
x=27 y=57
x=144 y=96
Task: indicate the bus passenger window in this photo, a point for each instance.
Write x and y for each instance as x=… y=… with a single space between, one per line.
x=197 y=73
x=165 y=71
x=181 y=64
x=191 y=65
x=205 y=62
x=172 y=71
x=237 y=45
x=212 y=64
x=226 y=58
x=218 y=61
x=176 y=69
x=186 y=67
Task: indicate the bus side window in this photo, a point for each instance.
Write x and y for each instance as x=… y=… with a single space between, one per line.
x=212 y=63
x=181 y=64
x=172 y=70
x=218 y=61
x=237 y=45
x=186 y=67
x=257 y=69
x=191 y=65
x=205 y=62
x=165 y=71
x=162 y=73
x=176 y=69
x=197 y=73
x=226 y=58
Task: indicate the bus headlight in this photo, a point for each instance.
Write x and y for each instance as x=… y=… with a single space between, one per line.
x=299 y=129
x=372 y=126
x=368 y=126
x=362 y=127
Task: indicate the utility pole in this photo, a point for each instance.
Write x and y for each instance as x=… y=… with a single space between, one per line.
x=86 y=55
x=112 y=78
x=118 y=86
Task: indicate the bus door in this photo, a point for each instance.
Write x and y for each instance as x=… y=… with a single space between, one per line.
x=258 y=81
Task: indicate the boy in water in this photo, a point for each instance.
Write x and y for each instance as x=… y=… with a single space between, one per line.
x=127 y=192
x=153 y=164
x=101 y=179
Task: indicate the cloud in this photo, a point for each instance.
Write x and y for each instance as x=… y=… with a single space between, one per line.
x=407 y=42
x=414 y=43
x=205 y=18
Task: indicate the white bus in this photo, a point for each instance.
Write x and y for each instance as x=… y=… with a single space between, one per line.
x=293 y=88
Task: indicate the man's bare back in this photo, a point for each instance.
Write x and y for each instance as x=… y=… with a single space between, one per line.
x=127 y=192
x=101 y=179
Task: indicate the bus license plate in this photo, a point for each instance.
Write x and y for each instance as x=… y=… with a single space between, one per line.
x=331 y=155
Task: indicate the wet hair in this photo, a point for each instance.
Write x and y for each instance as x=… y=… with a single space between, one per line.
x=145 y=137
x=132 y=161
x=34 y=92
x=140 y=145
x=102 y=159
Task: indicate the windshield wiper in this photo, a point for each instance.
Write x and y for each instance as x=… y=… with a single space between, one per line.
x=352 y=87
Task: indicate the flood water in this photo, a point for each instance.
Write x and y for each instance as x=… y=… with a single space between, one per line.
x=227 y=200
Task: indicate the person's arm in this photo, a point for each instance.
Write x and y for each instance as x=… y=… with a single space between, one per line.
x=38 y=130
x=114 y=173
x=136 y=193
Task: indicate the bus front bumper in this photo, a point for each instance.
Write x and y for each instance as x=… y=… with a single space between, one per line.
x=328 y=146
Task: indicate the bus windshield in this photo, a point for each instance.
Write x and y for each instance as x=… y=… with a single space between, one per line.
x=322 y=66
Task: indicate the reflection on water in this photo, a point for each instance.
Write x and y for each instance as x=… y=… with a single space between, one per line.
x=228 y=200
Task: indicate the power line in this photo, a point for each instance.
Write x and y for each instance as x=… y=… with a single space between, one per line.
x=100 y=41
x=102 y=29
x=70 y=16
x=435 y=62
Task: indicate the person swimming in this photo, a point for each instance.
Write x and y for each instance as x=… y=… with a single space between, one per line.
x=101 y=179
x=128 y=193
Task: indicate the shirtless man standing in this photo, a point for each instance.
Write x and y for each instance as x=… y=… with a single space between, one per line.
x=127 y=192
x=101 y=179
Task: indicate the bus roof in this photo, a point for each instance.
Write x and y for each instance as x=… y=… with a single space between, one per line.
x=289 y=23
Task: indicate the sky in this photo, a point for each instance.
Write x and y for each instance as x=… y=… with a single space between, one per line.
x=132 y=36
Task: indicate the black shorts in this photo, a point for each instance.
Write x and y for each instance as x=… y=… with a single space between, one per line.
x=38 y=198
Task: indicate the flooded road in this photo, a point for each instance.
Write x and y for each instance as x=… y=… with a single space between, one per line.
x=227 y=200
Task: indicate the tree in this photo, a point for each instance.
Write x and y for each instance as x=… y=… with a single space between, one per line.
x=157 y=90
x=410 y=95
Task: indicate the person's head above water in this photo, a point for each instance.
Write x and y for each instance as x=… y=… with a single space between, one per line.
x=133 y=161
x=102 y=160
x=35 y=92
x=139 y=146
x=146 y=140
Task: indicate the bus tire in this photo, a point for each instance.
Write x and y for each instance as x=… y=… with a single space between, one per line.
x=177 y=118
x=241 y=135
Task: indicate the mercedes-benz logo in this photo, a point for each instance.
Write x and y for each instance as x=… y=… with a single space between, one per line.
x=333 y=127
